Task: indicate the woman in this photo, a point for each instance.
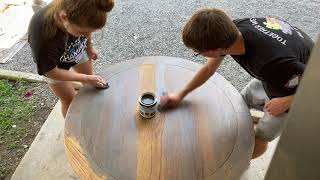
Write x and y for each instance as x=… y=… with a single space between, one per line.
x=60 y=38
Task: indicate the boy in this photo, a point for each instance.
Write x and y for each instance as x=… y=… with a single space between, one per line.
x=272 y=51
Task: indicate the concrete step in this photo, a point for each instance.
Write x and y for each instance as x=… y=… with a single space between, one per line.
x=46 y=159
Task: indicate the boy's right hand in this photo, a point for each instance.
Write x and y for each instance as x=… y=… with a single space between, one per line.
x=95 y=80
x=171 y=100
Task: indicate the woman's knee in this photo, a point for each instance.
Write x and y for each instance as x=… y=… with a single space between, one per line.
x=84 y=68
x=66 y=102
x=64 y=91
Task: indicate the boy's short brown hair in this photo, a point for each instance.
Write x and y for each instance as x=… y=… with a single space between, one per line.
x=209 y=29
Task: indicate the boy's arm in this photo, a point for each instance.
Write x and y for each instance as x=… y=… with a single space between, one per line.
x=202 y=76
x=277 y=106
x=173 y=99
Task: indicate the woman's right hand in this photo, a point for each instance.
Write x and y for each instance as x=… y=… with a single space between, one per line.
x=95 y=80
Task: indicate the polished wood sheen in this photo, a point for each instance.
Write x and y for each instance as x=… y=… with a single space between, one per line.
x=210 y=136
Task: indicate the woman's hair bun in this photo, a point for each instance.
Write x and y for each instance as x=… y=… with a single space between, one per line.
x=104 y=5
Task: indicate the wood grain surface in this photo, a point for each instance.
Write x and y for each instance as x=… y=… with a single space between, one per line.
x=210 y=136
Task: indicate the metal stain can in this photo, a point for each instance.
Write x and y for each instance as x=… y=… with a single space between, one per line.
x=148 y=104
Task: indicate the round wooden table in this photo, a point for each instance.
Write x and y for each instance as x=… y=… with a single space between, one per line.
x=210 y=136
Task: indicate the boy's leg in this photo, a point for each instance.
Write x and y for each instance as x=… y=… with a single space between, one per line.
x=65 y=91
x=254 y=94
x=270 y=127
x=255 y=97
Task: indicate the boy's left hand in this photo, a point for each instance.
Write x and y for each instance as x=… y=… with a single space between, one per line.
x=92 y=53
x=276 y=106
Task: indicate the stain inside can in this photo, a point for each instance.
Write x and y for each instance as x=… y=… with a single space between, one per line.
x=147 y=99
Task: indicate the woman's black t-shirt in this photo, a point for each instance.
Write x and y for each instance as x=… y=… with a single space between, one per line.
x=62 y=51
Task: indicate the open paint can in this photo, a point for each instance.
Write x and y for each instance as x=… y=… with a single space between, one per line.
x=148 y=104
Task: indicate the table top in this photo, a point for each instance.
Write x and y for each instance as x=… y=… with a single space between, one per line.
x=210 y=136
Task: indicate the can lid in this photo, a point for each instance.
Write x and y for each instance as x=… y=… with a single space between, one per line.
x=148 y=99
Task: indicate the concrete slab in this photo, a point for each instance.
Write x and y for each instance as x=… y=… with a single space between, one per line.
x=46 y=158
x=258 y=167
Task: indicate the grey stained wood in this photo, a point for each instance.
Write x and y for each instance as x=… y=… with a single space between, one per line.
x=210 y=136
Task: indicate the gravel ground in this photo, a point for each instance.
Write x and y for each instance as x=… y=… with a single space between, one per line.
x=153 y=27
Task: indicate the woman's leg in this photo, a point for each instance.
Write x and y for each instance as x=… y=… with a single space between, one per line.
x=85 y=67
x=65 y=91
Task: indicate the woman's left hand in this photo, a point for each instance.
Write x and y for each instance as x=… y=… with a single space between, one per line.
x=92 y=52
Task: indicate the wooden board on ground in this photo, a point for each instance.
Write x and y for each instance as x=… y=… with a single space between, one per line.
x=7 y=54
x=17 y=75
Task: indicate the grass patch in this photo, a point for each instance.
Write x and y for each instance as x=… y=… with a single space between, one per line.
x=21 y=117
x=15 y=108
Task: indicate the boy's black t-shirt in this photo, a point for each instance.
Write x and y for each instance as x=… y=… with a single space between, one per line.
x=62 y=51
x=275 y=53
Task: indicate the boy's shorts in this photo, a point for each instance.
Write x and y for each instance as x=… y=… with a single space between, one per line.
x=83 y=59
x=269 y=127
